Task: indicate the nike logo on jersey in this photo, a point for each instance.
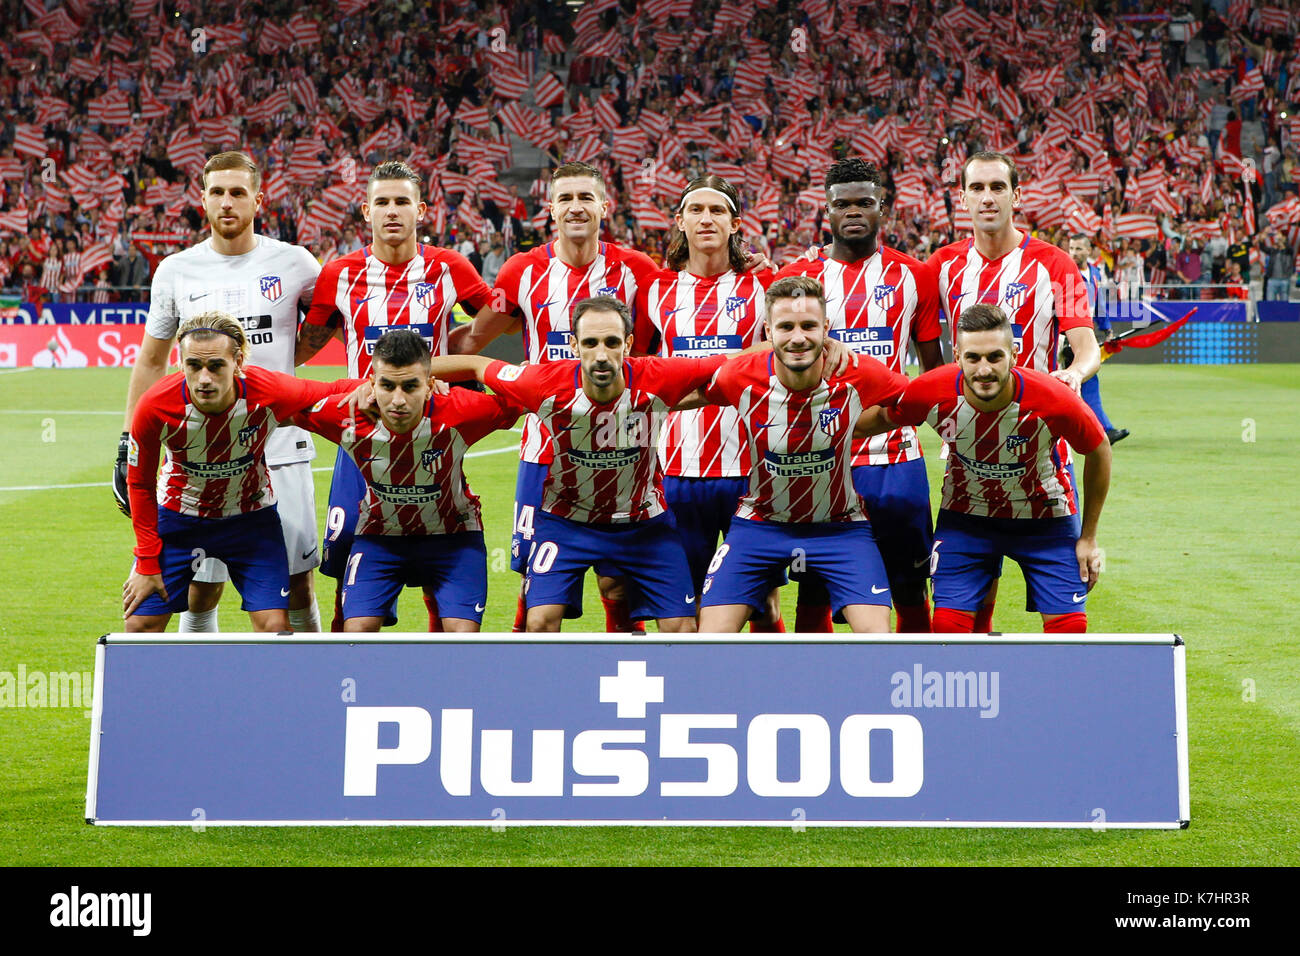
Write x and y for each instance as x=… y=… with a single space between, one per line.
x=691 y=599
x=876 y=590
x=768 y=425
x=547 y=303
x=371 y=458
x=671 y=311
x=284 y=592
x=1078 y=598
x=957 y=295
x=198 y=295
x=357 y=302
x=924 y=561
x=308 y=554
x=480 y=608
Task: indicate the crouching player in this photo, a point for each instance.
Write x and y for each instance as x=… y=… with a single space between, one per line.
x=419 y=522
x=602 y=498
x=802 y=510
x=214 y=498
x=1006 y=492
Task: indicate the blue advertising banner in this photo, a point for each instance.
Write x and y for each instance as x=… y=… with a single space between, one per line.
x=1004 y=731
x=82 y=313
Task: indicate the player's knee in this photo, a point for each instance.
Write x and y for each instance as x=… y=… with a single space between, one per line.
x=301 y=590
x=362 y=625
x=544 y=620
x=867 y=618
x=147 y=624
x=204 y=596
x=271 y=620
x=677 y=625
x=611 y=589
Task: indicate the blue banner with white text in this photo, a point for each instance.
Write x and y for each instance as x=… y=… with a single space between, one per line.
x=652 y=733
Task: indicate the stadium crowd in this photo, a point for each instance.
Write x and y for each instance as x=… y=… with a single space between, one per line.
x=1167 y=134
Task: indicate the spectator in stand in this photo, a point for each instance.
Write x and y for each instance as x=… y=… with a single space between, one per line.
x=493 y=260
x=1281 y=268
x=131 y=275
x=1234 y=283
x=350 y=241
x=1187 y=266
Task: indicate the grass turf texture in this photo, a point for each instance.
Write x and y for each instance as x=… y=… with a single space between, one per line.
x=1198 y=531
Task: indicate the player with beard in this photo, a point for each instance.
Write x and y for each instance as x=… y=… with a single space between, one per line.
x=876 y=306
x=1006 y=491
x=536 y=292
x=707 y=305
x=265 y=284
x=1033 y=281
x=395 y=281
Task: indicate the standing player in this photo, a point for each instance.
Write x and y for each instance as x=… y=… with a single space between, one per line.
x=1006 y=491
x=801 y=509
x=709 y=305
x=394 y=281
x=1081 y=253
x=875 y=306
x=1034 y=282
x=263 y=283
x=602 y=498
x=420 y=523
x=536 y=291
x=215 y=497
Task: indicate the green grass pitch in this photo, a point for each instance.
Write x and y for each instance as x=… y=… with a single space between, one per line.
x=1200 y=533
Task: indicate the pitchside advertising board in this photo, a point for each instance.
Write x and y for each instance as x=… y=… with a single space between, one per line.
x=592 y=729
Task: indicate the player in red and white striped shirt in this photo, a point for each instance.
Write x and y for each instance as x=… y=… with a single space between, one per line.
x=1034 y=282
x=876 y=305
x=393 y=282
x=214 y=497
x=708 y=305
x=602 y=498
x=1006 y=491
x=420 y=522
x=801 y=510
x=535 y=293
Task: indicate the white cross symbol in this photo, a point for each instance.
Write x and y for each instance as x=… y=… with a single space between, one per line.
x=631 y=690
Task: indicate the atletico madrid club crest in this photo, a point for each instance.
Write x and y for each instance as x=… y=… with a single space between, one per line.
x=1015 y=294
x=1015 y=441
x=424 y=294
x=736 y=303
x=429 y=456
x=883 y=296
x=271 y=287
x=827 y=418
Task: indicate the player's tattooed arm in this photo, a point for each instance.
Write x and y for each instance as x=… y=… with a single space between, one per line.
x=311 y=339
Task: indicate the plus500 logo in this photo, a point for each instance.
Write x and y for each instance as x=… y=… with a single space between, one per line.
x=613 y=753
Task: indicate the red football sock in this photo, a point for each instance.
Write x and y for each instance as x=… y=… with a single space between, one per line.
x=914 y=618
x=336 y=625
x=813 y=619
x=617 y=620
x=765 y=627
x=435 y=620
x=983 y=619
x=1076 y=622
x=949 y=620
x=521 y=616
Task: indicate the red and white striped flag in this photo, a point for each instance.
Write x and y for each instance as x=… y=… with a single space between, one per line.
x=508 y=82
x=549 y=91
x=14 y=220
x=29 y=140
x=304 y=30
x=1135 y=225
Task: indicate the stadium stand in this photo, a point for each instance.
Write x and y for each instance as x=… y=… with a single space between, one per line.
x=1167 y=134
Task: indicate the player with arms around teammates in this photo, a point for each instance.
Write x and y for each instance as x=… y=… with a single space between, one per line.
x=801 y=505
x=1006 y=492
x=420 y=522
x=536 y=292
x=214 y=497
x=876 y=303
x=1036 y=284
x=602 y=498
x=264 y=283
x=395 y=281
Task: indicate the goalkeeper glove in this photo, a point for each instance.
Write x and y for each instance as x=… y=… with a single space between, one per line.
x=120 y=492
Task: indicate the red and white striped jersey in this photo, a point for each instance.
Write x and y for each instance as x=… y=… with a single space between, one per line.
x=1036 y=284
x=216 y=464
x=696 y=317
x=1004 y=464
x=414 y=482
x=369 y=296
x=800 y=442
x=542 y=289
x=605 y=467
x=875 y=306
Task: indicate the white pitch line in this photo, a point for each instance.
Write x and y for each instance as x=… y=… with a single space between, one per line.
x=13 y=371
x=106 y=484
